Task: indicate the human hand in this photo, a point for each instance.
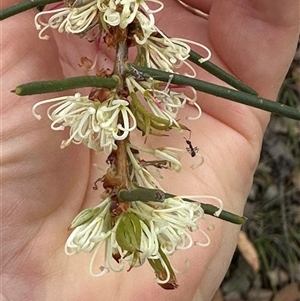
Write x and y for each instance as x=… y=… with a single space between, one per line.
x=44 y=187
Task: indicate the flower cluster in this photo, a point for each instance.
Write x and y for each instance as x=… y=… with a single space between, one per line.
x=81 y=16
x=164 y=53
x=93 y=123
x=146 y=231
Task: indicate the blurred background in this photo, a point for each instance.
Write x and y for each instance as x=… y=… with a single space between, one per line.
x=266 y=264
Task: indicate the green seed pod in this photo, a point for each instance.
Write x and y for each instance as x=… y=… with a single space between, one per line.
x=129 y=233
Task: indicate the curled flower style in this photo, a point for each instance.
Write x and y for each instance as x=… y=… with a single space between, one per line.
x=163 y=54
x=90 y=227
x=108 y=118
x=172 y=158
x=168 y=158
x=170 y=221
x=167 y=155
x=140 y=174
x=123 y=12
x=168 y=103
x=72 y=20
x=147 y=25
x=163 y=102
x=159 y=106
x=92 y=123
x=167 y=54
x=147 y=121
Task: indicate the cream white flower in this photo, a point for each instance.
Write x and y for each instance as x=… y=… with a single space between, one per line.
x=170 y=221
x=95 y=226
x=90 y=227
x=164 y=103
x=166 y=158
x=72 y=20
x=168 y=155
x=112 y=14
x=160 y=106
x=145 y=231
x=168 y=54
x=138 y=173
x=82 y=16
x=95 y=124
x=108 y=118
x=147 y=25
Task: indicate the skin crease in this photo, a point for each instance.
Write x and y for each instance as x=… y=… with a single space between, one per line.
x=44 y=187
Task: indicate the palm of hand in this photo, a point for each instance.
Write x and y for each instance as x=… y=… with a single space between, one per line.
x=45 y=187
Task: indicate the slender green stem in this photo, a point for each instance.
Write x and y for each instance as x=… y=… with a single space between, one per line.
x=65 y=84
x=143 y=194
x=224 y=215
x=227 y=93
x=220 y=73
x=23 y=6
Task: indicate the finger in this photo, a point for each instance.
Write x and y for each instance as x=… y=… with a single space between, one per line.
x=31 y=158
x=256 y=39
x=25 y=59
